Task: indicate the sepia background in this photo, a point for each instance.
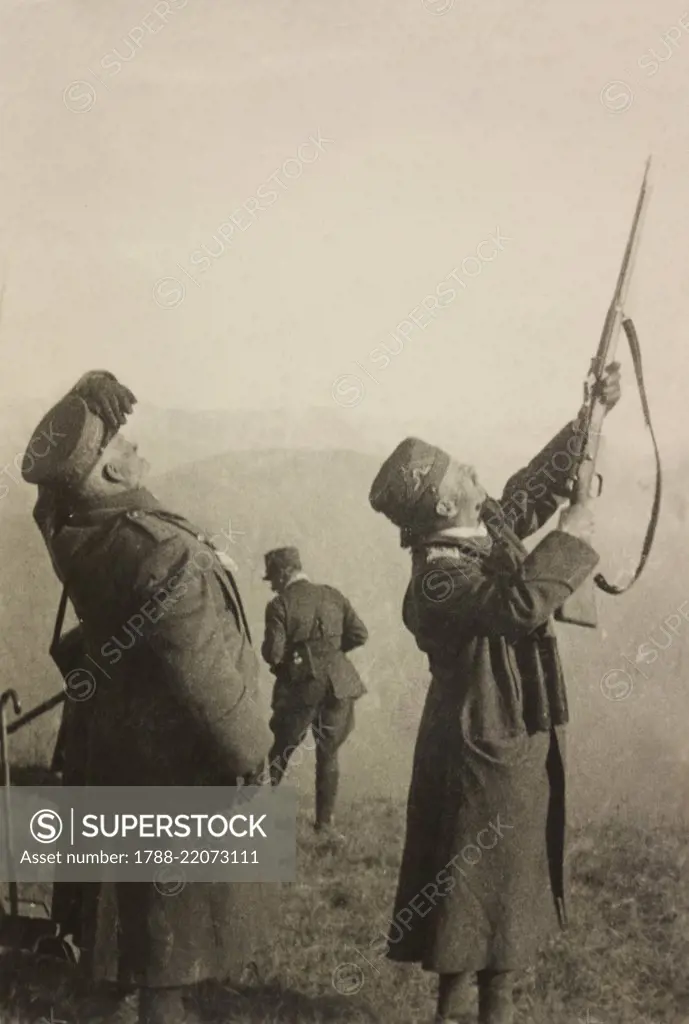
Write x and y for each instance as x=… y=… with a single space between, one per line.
x=235 y=207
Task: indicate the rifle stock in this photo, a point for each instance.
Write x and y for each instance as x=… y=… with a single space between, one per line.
x=580 y=608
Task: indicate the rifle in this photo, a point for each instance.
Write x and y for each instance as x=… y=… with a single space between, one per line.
x=67 y=651
x=580 y=608
x=34 y=713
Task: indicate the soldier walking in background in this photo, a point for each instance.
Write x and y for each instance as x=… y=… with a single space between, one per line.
x=177 y=703
x=481 y=882
x=309 y=629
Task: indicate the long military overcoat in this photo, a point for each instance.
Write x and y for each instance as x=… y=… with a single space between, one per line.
x=481 y=880
x=175 y=703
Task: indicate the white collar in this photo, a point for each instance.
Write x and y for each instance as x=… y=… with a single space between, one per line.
x=297 y=576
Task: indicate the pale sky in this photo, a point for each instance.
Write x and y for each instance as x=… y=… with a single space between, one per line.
x=439 y=129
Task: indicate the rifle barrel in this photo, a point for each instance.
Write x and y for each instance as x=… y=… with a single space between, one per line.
x=622 y=279
x=583 y=473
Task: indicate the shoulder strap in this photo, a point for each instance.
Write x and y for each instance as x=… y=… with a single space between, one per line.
x=59 y=620
x=233 y=591
x=635 y=350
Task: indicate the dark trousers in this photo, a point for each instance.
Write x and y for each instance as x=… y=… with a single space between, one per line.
x=331 y=722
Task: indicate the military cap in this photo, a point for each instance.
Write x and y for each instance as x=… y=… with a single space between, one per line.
x=406 y=488
x=66 y=444
x=281 y=559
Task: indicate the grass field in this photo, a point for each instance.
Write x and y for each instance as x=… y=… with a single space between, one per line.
x=623 y=960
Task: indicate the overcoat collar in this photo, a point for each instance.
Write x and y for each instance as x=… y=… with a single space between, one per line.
x=105 y=508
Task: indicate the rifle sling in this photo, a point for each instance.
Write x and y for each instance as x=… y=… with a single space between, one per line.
x=60 y=618
x=635 y=350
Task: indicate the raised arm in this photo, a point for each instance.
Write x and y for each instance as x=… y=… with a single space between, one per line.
x=533 y=494
x=500 y=594
x=107 y=399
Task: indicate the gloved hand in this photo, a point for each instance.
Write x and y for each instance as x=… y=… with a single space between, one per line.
x=106 y=397
x=609 y=390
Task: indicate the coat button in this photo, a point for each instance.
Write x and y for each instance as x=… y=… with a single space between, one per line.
x=201 y=537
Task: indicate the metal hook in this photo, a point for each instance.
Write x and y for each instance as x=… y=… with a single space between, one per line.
x=10 y=695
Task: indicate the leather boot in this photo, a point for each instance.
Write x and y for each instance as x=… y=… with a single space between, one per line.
x=162 y=1006
x=495 y=998
x=455 y=998
x=327 y=780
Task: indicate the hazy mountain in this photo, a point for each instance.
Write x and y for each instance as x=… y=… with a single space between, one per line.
x=260 y=500
x=171 y=438
x=630 y=749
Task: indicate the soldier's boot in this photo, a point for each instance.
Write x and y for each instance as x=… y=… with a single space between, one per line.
x=327 y=781
x=164 y=1006
x=455 y=998
x=495 y=997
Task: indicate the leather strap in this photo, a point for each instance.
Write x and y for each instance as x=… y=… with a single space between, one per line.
x=59 y=620
x=233 y=592
x=599 y=579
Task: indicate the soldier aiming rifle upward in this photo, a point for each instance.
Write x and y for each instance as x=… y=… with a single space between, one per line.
x=488 y=771
x=490 y=743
